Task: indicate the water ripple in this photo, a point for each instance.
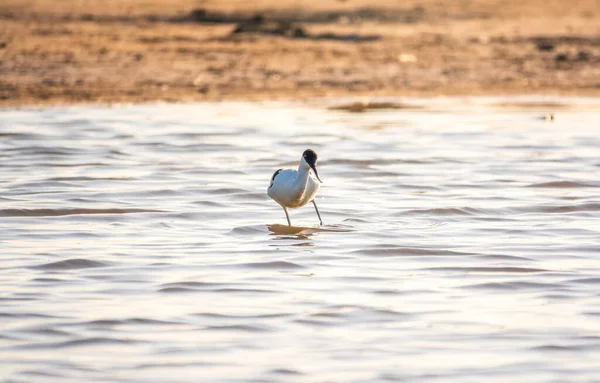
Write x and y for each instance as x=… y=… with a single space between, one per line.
x=138 y=243
x=563 y=184
x=72 y=211
x=71 y=264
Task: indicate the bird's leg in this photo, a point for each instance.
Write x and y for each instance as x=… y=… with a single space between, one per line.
x=317 y=210
x=287 y=216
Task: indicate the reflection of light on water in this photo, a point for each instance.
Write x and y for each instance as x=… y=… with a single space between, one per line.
x=462 y=234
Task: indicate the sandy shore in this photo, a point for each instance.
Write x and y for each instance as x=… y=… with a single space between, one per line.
x=183 y=50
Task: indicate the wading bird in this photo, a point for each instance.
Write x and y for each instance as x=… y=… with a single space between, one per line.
x=295 y=188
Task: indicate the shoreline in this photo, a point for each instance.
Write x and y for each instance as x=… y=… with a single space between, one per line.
x=111 y=100
x=542 y=104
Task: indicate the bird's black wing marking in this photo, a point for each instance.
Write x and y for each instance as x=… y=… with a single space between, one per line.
x=274 y=175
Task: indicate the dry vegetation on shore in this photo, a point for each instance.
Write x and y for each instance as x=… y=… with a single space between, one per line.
x=181 y=50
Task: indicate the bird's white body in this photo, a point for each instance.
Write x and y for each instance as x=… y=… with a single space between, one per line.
x=295 y=188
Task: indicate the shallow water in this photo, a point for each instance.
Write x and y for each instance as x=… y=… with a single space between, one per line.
x=461 y=244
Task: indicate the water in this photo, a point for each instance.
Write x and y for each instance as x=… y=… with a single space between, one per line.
x=461 y=243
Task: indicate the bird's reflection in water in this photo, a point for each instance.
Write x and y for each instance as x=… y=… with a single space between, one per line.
x=284 y=232
x=281 y=232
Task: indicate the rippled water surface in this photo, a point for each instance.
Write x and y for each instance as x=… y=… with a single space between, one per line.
x=461 y=244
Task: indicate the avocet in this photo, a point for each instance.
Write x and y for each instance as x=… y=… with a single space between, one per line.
x=295 y=188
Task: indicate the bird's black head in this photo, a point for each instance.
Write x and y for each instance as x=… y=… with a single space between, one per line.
x=310 y=156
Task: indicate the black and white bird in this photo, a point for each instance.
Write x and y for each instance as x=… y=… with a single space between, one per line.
x=295 y=188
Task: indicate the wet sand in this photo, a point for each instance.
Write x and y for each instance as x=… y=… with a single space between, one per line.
x=89 y=51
